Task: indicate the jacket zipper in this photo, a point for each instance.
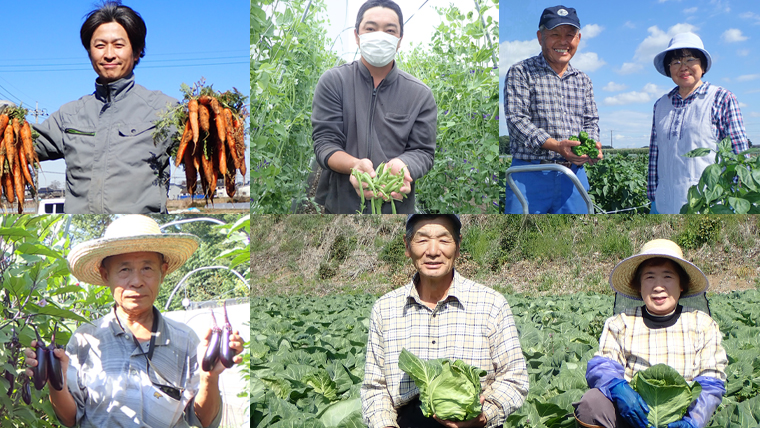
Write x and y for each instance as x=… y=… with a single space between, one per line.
x=78 y=132
x=371 y=116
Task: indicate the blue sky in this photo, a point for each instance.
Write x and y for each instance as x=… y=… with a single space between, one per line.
x=44 y=61
x=618 y=43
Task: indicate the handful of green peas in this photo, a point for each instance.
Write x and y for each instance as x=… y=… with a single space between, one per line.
x=381 y=186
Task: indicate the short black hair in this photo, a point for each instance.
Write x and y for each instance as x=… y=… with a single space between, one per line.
x=684 y=53
x=390 y=4
x=683 y=277
x=410 y=228
x=114 y=11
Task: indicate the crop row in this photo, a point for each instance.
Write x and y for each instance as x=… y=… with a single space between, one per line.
x=308 y=354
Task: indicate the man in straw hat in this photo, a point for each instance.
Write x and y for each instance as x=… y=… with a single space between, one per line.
x=134 y=367
x=660 y=331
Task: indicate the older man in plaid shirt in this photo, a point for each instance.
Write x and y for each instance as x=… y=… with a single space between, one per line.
x=546 y=101
x=439 y=314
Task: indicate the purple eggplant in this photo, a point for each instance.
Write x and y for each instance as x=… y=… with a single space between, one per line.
x=212 y=352
x=10 y=377
x=40 y=372
x=55 y=372
x=11 y=381
x=26 y=391
x=226 y=354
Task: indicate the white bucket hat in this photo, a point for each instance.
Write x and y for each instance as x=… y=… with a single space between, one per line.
x=682 y=41
x=623 y=273
x=130 y=234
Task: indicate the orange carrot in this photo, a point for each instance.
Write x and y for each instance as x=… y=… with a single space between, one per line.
x=205 y=100
x=24 y=166
x=2 y=158
x=18 y=183
x=240 y=145
x=26 y=140
x=8 y=187
x=192 y=107
x=16 y=129
x=220 y=156
x=191 y=173
x=10 y=147
x=186 y=136
x=221 y=127
x=227 y=113
x=203 y=117
x=208 y=174
x=4 y=119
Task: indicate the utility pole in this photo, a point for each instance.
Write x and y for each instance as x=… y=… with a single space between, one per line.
x=37 y=112
x=611 y=139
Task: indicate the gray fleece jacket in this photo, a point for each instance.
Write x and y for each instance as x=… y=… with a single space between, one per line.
x=112 y=163
x=395 y=120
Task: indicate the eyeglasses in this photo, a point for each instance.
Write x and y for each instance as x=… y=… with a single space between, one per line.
x=690 y=62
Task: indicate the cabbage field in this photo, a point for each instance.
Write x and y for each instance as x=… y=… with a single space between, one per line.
x=308 y=354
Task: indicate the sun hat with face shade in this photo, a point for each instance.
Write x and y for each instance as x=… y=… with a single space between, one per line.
x=682 y=41
x=130 y=234
x=623 y=273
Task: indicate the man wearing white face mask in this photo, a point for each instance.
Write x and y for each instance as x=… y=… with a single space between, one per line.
x=368 y=112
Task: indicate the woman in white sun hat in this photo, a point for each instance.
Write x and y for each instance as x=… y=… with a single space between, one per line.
x=695 y=114
x=659 y=331
x=135 y=367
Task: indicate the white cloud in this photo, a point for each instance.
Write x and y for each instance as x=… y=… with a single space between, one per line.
x=630 y=68
x=721 y=5
x=516 y=51
x=733 y=35
x=754 y=114
x=629 y=24
x=752 y=16
x=748 y=77
x=647 y=94
x=743 y=52
x=590 y=31
x=658 y=40
x=587 y=61
x=742 y=105
x=691 y=10
x=615 y=87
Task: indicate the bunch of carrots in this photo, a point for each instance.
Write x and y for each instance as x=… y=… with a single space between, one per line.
x=17 y=156
x=213 y=137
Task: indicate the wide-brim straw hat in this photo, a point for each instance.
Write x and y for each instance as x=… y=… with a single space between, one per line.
x=130 y=234
x=623 y=273
x=682 y=41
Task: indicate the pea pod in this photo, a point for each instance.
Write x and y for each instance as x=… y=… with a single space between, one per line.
x=382 y=186
x=212 y=352
x=55 y=372
x=226 y=354
x=41 y=371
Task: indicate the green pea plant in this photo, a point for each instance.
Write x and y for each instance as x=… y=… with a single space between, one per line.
x=729 y=186
x=381 y=186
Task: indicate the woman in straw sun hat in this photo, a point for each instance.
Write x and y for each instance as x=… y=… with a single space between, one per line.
x=695 y=114
x=659 y=331
x=135 y=367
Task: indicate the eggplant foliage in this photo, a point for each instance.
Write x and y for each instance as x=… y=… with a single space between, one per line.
x=448 y=390
x=666 y=393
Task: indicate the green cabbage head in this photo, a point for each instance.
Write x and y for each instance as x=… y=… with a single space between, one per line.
x=448 y=390
x=666 y=392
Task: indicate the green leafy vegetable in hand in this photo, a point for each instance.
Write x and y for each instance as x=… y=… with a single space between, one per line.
x=587 y=146
x=666 y=393
x=448 y=390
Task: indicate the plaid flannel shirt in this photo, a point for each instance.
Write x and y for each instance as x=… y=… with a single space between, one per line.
x=726 y=122
x=539 y=105
x=692 y=346
x=473 y=323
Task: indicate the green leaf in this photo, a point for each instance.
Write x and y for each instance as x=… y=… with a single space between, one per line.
x=336 y=413
x=740 y=206
x=666 y=393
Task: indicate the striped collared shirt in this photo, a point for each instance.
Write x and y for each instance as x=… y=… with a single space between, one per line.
x=538 y=105
x=726 y=122
x=473 y=323
x=692 y=345
x=112 y=387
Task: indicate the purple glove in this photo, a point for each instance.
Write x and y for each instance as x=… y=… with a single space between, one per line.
x=683 y=423
x=630 y=405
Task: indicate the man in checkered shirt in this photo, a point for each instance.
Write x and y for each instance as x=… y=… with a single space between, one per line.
x=439 y=314
x=546 y=101
x=661 y=331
